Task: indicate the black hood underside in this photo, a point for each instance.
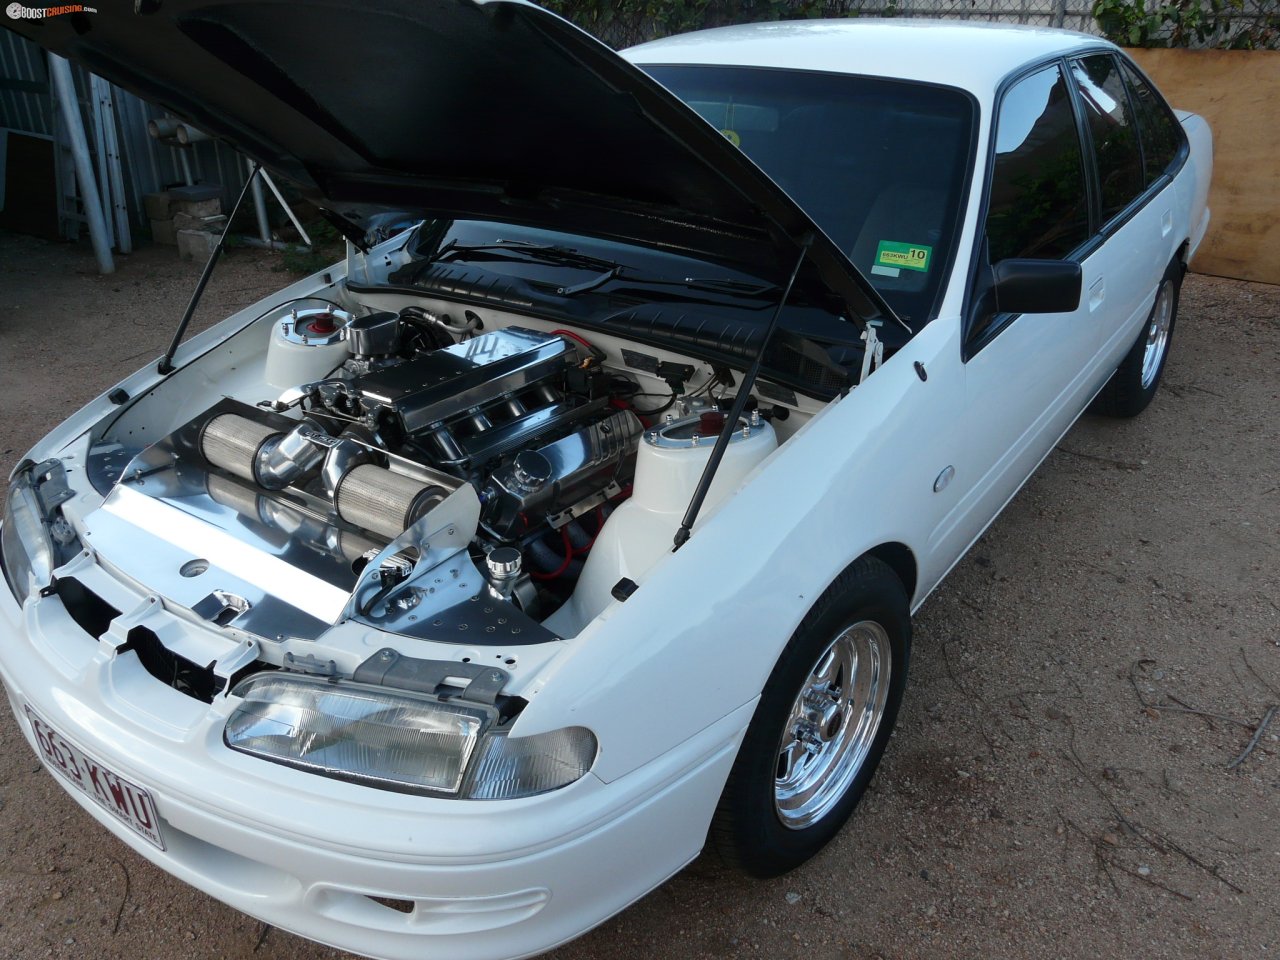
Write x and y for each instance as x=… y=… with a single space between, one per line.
x=488 y=110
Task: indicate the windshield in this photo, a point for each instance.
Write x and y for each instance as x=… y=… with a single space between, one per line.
x=880 y=165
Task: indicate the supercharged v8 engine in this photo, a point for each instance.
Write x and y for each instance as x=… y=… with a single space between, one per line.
x=512 y=412
x=515 y=412
x=403 y=457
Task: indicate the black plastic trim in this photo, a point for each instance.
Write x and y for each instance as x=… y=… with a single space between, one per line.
x=733 y=360
x=90 y=612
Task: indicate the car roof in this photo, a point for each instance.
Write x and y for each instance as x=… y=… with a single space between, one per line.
x=973 y=56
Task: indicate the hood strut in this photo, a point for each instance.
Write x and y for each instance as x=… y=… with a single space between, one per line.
x=739 y=404
x=166 y=362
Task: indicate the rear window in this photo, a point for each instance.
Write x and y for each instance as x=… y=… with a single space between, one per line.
x=1113 y=130
x=1161 y=135
x=880 y=165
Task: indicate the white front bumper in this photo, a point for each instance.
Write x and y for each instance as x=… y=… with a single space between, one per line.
x=304 y=853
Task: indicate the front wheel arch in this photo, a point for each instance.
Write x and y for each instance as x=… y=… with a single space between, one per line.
x=899 y=558
x=751 y=830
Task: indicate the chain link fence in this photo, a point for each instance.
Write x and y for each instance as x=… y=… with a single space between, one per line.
x=1069 y=14
x=1193 y=23
x=626 y=23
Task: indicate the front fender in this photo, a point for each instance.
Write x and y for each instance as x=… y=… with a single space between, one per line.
x=700 y=636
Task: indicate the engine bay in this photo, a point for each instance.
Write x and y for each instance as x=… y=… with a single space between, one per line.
x=473 y=481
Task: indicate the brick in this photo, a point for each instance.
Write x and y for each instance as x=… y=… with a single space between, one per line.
x=197 y=191
x=185 y=221
x=197 y=208
x=196 y=244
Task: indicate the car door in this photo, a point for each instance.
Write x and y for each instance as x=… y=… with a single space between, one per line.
x=1026 y=376
x=1134 y=202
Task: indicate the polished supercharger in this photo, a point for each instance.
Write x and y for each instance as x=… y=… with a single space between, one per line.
x=384 y=444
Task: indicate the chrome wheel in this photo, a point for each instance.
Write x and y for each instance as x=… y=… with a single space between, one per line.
x=1158 y=335
x=832 y=724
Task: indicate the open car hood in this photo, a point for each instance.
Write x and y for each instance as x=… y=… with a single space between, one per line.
x=456 y=108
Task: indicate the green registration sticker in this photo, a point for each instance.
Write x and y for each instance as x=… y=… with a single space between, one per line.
x=906 y=256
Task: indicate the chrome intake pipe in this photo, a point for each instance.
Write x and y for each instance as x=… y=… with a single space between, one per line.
x=255 y=452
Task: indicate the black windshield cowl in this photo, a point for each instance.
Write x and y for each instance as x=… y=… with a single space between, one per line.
x=712 y=326
x=601 y=272
x=650 y=296
x=506 y=249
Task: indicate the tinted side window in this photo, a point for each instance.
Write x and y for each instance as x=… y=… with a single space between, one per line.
x=1161 y=135
x=1038 y=205
x=1115 y=135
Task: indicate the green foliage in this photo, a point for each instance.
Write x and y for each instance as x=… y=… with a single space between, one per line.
x=326 y=246
x=323 y=233
x=1190 y=23
x=303 y=261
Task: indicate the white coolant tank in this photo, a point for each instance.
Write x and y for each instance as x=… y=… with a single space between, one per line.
x=640 y=532
x=306 y=345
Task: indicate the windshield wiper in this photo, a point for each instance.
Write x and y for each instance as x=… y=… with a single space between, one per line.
x=608 y=270
x=526 y=250
x=752 y=288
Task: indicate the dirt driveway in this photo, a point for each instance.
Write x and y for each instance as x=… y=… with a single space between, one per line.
x=1059 y=785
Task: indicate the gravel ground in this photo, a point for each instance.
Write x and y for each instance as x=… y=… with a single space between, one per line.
x=1058 y=785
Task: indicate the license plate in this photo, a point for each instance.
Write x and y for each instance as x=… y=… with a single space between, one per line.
x=126 y=801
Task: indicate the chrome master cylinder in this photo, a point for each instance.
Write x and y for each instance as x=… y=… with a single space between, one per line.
x=560 y=476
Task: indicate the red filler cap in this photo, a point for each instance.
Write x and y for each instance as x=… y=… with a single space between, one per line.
x=711 y=423
x=322 y=324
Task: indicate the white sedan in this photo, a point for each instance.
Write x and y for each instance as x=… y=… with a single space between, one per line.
x=453 y=598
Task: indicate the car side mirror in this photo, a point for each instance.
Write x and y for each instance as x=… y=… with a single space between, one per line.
x=1037 y=286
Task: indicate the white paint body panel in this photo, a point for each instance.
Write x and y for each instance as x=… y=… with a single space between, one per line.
x=642 y=530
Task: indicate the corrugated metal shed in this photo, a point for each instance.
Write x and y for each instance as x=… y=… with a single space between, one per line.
x=27 y=106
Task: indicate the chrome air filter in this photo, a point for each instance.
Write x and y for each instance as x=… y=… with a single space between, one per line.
x=233 y=442
x=384 y=502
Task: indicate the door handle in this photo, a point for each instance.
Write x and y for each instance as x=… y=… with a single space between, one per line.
x=1097 y=293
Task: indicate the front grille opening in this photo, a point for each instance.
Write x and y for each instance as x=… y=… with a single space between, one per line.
x=91 y=613
x=171 y=669
x=400 y=906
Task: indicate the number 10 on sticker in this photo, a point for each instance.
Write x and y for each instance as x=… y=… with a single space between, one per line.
x=905 y=256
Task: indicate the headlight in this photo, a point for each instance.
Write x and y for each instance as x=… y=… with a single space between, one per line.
x=398 y=740
x=26 y=548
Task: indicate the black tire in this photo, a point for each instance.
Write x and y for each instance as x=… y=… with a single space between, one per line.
x=761 y=827
x=1137 y=379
